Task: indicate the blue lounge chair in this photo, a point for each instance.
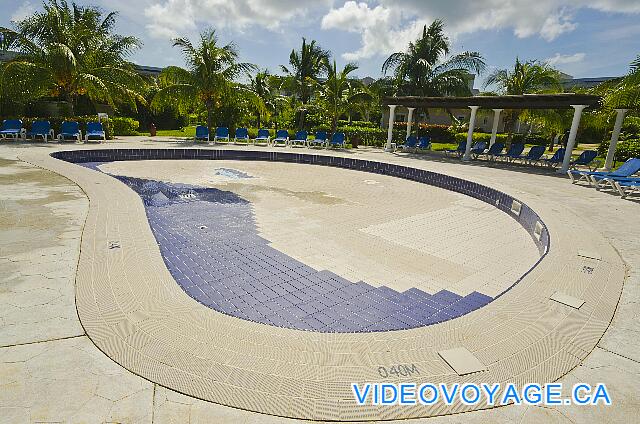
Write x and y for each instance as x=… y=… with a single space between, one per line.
x=202 y=133
x=40 y=129
x=12 y=128
x=222 y=133
x=95 y=132
x=630 y=167
x=410 y=143
x=556 y=159
x=514 y=152
x=626 y=187
x=263 y=137
x=495 y=149
x=300 y=139
x=337 y=139
x=282 y=138
x=70 y=130
x=586 y=158
x=533 y=156
x=319 y=140
x=424 y=143
x=458 y=151
x=478 y=149
x=242 y=136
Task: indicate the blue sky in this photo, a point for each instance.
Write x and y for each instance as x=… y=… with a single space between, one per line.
x=582 y=38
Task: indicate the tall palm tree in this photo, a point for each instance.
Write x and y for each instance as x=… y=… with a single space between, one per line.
x=339 y=91
x=67 y=51
x=305 y=67
x=624 y=93
x=211 y=72
x=525 y=78
x=425 y=70
x=261 y=85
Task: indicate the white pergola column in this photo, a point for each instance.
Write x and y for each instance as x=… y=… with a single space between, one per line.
x=392 y=118
x=472 y=123
x=571 y=142
x=494 y=130
x=608 y=163
x=410 y=120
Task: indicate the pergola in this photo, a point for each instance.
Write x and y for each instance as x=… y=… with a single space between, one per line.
x=498 y=103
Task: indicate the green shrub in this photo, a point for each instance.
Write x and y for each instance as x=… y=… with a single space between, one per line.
x=437 y=133
x=56 y=123
x=624 y=149
x=124 y=126
x=535 y=139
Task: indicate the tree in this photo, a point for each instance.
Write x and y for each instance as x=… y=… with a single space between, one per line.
x=425 y=70
x=525 y=77
x=261 y=87
x=209 y=78
x=623 y=93
x=305 y=67
x=69 y=51
x=339 y=91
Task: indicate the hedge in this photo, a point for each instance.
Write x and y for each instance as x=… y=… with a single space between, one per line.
x=124 y=126
x=460 y=137
x=624 y=149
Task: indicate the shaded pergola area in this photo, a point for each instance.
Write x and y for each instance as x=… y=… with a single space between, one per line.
x=578 y=102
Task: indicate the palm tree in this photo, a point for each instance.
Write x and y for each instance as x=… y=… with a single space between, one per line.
x=339 y=91
x=208 y=79
x=305 y=67
x=261 y=87
x=69 y=51
x=425 y=70
x=624 y=93
x=525 y=77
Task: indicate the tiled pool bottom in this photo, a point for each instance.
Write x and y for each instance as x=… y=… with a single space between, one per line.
x=210 y=244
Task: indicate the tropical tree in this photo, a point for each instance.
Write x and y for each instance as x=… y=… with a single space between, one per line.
x=425 y=69
x=208 y=80
x=305 y=67
x=525 y=78
x=261 y=85
x=624 y=93
x=68 y=51
x=339 y=91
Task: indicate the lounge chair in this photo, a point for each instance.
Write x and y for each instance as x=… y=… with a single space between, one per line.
x=319 y=140
x=424 y=143
x=337 y=139
x=12 y=128
x=410 y=143
x=556 y=159
x=495 y=149
x=70 y=130
x=458 y=151
x=300 y=139
x=242 y=136
x=533 y=156
x=630 y=167
x=478 y=149
x=281 y=138
x=626 y=187
x=514 y=152
x=95 y=131
x=222 y=133
x=586 y=158
x=202 y=133
x=40 y=129
x=263 y=137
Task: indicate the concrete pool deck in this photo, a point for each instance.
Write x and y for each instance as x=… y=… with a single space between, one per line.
x=554 y=339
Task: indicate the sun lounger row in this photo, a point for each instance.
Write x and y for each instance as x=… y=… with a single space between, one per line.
x=282 y=138
x=534 y=156
x=621 y=180
x=415 y=144
x=69 y=131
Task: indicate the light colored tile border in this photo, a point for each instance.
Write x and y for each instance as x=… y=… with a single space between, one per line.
x=136 y=314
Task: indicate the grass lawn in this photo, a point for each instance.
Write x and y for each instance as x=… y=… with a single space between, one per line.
x=183 y=132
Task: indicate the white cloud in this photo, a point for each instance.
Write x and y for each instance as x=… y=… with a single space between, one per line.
x=24 y=11
x=387 y=26
x=177 y=17
x=562 y=59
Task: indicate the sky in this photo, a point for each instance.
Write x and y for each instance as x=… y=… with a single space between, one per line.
x=583 y=38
